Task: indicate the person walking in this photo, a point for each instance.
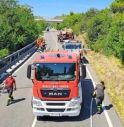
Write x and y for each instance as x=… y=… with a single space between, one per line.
x=10 y=85
x=98 y=93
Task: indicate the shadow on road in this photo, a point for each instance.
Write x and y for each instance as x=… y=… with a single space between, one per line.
x=87 y=89
x=18 y=100
x=107 y=107
x=94 y=107
x=104 y=108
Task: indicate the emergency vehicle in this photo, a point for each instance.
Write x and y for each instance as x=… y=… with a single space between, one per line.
x=57 y=89
x=73 y=46
x=65 y=35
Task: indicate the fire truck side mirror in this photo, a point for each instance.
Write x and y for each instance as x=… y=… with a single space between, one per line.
x=83 y=71
x=29 y=71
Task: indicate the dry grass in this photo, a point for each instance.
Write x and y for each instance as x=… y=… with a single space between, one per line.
x=110 y=70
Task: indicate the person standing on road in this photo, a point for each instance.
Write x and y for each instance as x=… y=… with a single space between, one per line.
x=10 y=84
x=98 y=93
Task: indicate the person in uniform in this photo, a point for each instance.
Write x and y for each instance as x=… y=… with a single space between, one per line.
x=10 y=84
x=98 y=93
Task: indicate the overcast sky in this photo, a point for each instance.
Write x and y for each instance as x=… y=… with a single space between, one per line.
x=51 y=8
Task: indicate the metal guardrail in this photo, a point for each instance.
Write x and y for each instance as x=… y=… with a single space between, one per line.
x=14 y=58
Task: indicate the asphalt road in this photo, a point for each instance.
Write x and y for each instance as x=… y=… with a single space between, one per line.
x=19 y=114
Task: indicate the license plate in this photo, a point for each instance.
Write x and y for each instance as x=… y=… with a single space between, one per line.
x=55 y=114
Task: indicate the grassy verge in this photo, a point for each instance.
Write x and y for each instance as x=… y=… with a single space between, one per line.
x=110 y=70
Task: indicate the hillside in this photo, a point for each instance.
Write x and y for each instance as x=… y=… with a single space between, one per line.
x=104 y=28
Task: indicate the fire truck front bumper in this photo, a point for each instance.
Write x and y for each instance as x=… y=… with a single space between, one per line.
x=57 y=108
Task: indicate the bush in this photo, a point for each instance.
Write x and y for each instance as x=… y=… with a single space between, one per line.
x=122 y=56
x=3 y=53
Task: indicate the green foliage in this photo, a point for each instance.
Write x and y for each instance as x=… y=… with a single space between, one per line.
x=70 y=21
x=40 y=25
x=117 y=6
x=98 y=45
x=17 y=25
x=3 y=53
x=105 y=28
x=122 y=55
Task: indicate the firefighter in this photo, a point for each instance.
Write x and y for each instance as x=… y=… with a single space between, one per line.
x=10 y=84
x=98 y=93
x=40 y=43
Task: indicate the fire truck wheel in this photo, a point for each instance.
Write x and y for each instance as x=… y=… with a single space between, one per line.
x=39 y=118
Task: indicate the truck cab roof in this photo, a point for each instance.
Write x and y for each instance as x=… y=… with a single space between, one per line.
x=56 y=57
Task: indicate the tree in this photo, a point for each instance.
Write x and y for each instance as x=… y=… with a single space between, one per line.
x=117 y=6
x=17 y=26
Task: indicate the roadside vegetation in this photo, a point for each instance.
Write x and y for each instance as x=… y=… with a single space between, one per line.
x=104 y=28
x=17 y=26
x=103 y=32
x=111 y=71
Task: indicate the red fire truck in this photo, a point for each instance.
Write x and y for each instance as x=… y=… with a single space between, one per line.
x=57 y=89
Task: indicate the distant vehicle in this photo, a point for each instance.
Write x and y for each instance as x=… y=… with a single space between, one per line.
x=65 y=35
x=47 y=29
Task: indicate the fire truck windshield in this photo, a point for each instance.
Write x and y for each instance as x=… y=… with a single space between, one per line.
x=55 y=71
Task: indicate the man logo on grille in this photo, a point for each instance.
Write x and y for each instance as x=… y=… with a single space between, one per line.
x=55 y=94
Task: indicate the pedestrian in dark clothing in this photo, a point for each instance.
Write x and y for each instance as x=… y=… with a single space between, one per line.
x=99 y=95
x=10 y=84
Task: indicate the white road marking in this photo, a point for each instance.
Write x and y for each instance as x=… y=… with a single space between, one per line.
x=23 y=64
x=105 y=111
x=107 y=117
x=91 y=110
x=34 y=122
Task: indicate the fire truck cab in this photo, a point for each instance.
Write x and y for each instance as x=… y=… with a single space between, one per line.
x=57 y=87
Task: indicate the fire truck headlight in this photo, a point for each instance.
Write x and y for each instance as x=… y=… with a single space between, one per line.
x=74 y=102
x=37 y=102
